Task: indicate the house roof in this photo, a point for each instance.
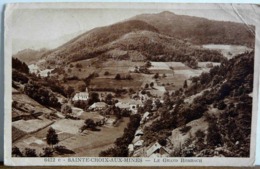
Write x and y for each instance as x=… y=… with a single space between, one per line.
x=146 y=114
x=155 y=147
x=137 y=138
x=139 y=143
x=139 y=131
x=98 y=105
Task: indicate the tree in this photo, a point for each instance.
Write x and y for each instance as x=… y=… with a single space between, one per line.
x=47 y=152
x=118 y=77
x=109 y=98
x=185 y=85
x=30 y=152
x=70 y=91
x=52 y=137
x=16 y=152
x=78 y=65
x=164 y=75
x=146 y=86
x=156 y=76
x=106 y=73
x=221 y=105
x=90 y=124
x=148 y=64
x=82 y=87
x=151 y=84
x=128 y=77
x=94 y=97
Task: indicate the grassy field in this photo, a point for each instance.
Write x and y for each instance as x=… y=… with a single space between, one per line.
x=172 y=82
x=32 y=125
x=92 y=143
x=100 y=82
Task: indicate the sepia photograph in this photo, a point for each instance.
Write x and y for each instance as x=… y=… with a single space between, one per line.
x=177 y=80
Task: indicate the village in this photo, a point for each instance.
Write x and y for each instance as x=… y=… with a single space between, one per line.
x=149 y=82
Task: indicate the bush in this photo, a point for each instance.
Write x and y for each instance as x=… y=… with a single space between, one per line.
x=118 y=77
x=30 y=152
x=106 y=73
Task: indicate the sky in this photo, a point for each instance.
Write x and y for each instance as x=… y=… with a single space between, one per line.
x=49 y=28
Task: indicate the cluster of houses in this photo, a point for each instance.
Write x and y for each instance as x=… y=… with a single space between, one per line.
x=131 y=105
x=137 y=149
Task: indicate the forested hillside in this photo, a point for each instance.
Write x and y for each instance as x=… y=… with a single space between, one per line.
x=225 y=102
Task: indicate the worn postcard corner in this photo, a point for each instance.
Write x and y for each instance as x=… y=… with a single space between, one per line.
x=131 y=84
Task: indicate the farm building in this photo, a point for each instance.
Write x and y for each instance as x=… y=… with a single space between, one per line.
x=145 y=117
x=98 y=106
x=81 y=96
x=157 y=150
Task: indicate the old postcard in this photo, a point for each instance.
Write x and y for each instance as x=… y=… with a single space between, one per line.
x=131 y=84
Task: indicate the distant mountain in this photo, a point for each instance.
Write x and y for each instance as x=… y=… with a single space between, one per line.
x=30 y=56
x=152 y=36
x=200 y=30
x=52 y=43
x=90 y=43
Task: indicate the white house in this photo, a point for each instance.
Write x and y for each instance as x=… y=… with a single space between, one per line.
x=81 y=96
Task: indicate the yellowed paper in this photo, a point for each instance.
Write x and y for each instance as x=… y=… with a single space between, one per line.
x=131 y=84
